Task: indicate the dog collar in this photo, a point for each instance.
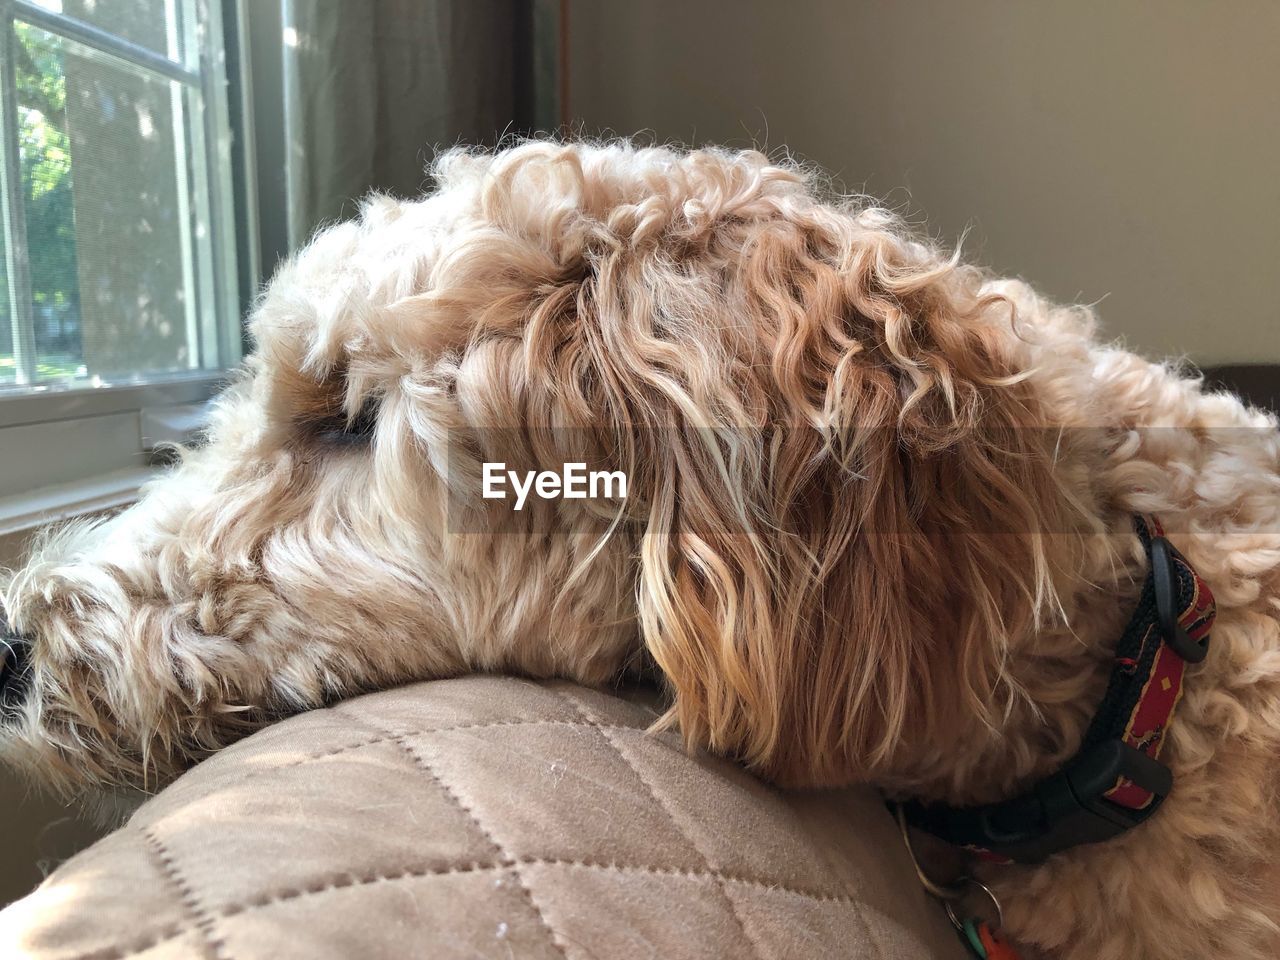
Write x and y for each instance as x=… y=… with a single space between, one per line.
x=1116 y=781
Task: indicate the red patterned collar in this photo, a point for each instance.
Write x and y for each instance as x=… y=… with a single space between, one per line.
x=1116 y=780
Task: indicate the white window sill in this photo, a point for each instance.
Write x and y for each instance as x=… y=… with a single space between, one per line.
x=20 y=405
x=27 y=512
x=57 y=470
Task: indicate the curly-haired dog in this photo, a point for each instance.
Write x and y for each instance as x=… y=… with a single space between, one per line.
x=879 y=526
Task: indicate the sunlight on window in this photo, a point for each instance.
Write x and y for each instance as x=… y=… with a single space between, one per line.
x=145 y=125
x=8 y=372
x=117 y=284
x=98 y=184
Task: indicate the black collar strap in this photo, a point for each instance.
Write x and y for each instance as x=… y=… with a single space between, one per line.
x=1116 y=781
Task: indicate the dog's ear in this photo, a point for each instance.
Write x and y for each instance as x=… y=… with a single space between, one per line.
x=832 y=582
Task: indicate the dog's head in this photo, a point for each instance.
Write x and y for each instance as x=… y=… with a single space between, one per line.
x=838 y=512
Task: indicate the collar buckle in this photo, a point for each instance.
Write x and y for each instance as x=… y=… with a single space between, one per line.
x=1065 y=810
x=1114 y=783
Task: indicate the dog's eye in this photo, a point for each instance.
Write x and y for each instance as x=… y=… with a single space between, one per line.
x=357 y=430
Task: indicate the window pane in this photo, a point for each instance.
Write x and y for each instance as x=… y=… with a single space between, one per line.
x=148 y=23
x=108 y=214
x=7 y=371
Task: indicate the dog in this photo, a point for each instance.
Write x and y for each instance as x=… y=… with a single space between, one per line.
x=879 y=526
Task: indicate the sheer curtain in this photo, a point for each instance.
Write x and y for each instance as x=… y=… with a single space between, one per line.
x=373 y=87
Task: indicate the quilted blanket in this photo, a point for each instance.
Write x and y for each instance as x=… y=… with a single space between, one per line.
x=483 y=817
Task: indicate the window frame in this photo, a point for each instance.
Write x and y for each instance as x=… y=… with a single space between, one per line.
x=217 y=68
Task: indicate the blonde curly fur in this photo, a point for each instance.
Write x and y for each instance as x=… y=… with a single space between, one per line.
x=878 y=526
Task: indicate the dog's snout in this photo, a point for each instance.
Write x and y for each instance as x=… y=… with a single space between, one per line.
x=13 y=661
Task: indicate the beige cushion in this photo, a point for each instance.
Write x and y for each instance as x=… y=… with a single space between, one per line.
x=483 y=817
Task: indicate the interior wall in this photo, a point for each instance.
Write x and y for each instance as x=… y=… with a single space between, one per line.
x=1116 y=152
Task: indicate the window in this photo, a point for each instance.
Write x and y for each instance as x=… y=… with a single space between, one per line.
x=120 y=307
